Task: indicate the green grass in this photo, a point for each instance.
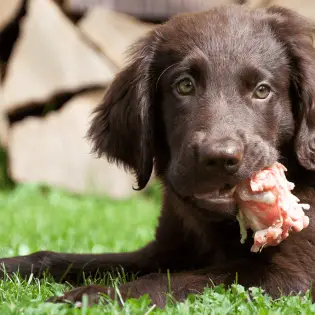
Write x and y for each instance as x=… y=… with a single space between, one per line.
x=34 y=218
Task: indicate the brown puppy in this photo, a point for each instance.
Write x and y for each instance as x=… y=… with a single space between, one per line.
x=207 y=99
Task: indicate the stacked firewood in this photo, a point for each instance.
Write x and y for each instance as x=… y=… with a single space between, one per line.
x=56 y=59
x=54 y=70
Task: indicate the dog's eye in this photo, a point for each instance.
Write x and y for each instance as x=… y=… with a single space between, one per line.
x=185 y=87
x=262 y=92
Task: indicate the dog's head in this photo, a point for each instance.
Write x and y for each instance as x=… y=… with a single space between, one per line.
x=209 y=98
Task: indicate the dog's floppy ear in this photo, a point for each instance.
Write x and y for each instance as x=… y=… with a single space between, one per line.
x=122 y=126
x=296 y=33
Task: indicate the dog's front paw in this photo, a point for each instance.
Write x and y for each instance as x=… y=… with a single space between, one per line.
x=75 y=296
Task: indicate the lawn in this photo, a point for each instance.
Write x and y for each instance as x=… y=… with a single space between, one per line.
x=35 y=218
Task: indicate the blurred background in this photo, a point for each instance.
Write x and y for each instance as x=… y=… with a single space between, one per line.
x=57 y=57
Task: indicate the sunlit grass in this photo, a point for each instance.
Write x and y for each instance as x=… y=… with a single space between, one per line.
x=34 y=219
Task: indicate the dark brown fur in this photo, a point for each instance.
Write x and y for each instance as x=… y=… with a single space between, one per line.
x=144 y=124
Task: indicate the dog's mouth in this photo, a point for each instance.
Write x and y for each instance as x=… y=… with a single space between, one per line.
x=221 y=195
x=220 y=201
x=216 y=204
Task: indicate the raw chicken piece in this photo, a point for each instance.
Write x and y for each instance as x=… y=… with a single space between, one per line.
x=267 y=206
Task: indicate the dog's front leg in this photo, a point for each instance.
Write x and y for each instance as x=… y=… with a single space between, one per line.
x=275 y=278
x=158 y=287
x=72 y=267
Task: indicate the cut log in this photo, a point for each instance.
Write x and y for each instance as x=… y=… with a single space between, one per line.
x=112 y=32
x=146 y=9
x=51 y=57
x=4 y=124
x=54 y=151
x=8 y=11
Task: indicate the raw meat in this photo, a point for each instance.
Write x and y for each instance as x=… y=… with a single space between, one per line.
x=267 y=206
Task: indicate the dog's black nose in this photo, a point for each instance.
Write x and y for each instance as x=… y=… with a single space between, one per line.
x=225 y=155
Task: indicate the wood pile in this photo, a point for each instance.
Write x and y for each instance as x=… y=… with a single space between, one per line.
x=54 y=70
x=55 y=64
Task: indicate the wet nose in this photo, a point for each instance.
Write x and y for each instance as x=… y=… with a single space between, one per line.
x=224 y=155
